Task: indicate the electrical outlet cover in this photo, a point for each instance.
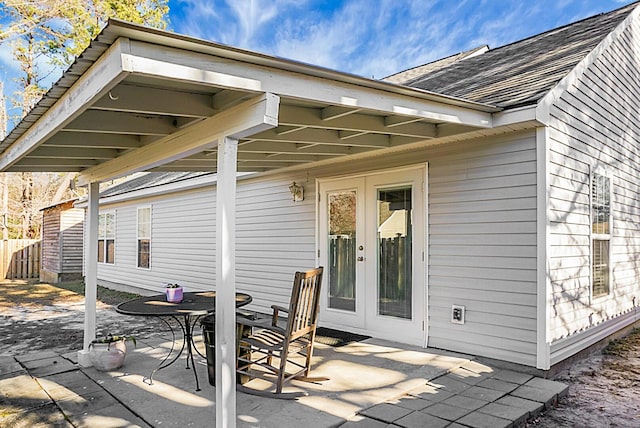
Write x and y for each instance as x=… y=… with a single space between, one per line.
x=457 y=314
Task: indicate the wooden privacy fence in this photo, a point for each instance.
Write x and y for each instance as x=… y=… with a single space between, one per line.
x=394 y=264
x=20 y=258
x=342 y=272
x=395 y=268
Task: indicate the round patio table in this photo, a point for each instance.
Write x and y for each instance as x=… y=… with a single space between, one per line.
x=194 y=305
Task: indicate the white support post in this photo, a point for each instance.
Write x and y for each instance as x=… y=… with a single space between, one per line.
x=91 y=274
x=226 y=283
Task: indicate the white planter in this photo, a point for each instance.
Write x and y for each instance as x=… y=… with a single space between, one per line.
x=107 y=356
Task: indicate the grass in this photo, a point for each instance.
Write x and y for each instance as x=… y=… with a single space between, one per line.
x=105 y=295
x=31 y=294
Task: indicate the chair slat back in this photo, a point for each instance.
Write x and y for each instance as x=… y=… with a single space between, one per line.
x=305 y=302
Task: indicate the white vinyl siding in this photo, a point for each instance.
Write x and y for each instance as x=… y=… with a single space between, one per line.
x=275 y=237
x=482 y=243
x=482 y=248
x=183 y=243
x=594 y=124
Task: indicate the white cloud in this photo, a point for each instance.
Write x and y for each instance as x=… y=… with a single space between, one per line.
x=234 y=22
x=199 y=19
x=9 y=65
x=375 y=38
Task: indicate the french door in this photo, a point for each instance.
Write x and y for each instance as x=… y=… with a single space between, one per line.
x=371 y=243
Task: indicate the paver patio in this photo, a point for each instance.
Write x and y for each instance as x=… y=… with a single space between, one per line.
x=372 y=383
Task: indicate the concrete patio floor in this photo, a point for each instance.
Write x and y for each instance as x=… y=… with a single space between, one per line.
x=372 y=383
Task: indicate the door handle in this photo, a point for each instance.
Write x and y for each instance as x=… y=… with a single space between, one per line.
x=360 y=258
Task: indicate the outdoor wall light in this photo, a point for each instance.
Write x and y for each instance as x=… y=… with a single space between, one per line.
x=297 y=192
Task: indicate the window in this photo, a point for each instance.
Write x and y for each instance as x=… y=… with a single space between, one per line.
x=144 y=237
x=600 y=234
x=106 y=238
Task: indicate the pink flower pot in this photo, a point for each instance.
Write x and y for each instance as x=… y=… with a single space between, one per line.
x=174 y=295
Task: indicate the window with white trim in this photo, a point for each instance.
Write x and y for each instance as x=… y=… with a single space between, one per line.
x=107 y=238
x=144 y=237
x=600 y=235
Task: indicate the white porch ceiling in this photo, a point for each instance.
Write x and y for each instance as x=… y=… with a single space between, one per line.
x=136 y=91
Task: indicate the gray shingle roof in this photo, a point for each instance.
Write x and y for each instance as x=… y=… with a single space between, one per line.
x=148 y=180
x=421 y=70
x=523 y=72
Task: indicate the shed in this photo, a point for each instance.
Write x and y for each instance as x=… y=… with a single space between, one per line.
x=62 y=241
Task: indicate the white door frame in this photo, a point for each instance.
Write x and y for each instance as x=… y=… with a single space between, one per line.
x=341 y=317
x=357 y=322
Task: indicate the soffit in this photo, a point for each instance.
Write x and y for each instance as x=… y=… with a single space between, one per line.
x=323 y=115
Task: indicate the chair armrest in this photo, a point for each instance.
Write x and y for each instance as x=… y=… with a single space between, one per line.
x=274 y=328
x=279 y=308
x=276 y=309
x=263 y=323
x=260 y=322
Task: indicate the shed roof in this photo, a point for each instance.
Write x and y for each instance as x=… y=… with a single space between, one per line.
x=60 y=204
x=522 y=72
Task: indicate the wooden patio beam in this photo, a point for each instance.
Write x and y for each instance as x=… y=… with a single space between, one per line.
x=81 y=140
x=293 y=148
x=141 y=99
x=114 y=122
x=357 y=122
x=247 y=118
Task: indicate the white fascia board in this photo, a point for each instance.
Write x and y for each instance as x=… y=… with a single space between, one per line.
x=514 y=116
x=543 y=110
x=252 y=116
x=103 y=75
x=170 y=63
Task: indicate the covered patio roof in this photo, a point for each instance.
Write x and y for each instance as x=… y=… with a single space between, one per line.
x=140 y=99
x=138 y=91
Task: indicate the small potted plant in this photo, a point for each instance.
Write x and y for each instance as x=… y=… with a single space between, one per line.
x=108 y=352
x=173 y=293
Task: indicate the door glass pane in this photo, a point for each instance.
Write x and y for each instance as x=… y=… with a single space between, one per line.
x=394 y=252
x=342 y=250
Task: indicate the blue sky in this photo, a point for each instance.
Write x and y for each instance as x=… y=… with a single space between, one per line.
x=374 y=38
x=371 y=38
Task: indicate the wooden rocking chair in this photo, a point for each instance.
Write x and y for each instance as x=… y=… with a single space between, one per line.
x=297 y=337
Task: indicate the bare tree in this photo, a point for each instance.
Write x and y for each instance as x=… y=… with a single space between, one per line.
x=45 y=36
